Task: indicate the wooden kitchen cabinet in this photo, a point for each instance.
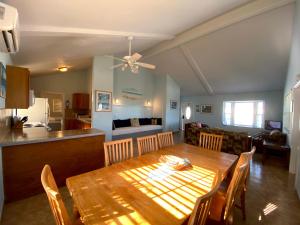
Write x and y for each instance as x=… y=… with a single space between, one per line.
x=81 y=101
x=17 y=87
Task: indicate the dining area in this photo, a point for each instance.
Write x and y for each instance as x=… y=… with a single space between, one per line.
x=160 y=182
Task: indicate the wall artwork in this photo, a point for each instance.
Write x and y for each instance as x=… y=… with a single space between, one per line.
x=57 y=105
x=206 y=108
x=103 y=101
x=173 y=104
x=198 y=108
x=2 y=81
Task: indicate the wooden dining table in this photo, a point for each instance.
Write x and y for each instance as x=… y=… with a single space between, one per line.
x=144 y=191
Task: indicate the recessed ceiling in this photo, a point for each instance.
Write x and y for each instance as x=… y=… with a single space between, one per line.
x=46 y=42
x=249 y=56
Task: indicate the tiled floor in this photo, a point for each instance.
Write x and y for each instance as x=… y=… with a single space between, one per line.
x=269 y=185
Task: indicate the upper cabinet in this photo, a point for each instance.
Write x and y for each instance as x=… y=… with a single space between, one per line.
x=81 y=101
x=17 y=87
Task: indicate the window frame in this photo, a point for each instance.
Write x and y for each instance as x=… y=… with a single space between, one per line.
x=255 y=113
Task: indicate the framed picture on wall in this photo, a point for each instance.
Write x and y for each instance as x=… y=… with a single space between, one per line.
x=2 y=81
x=197 y=108
x=103 y=101
x=206 y=108
x=173 y=104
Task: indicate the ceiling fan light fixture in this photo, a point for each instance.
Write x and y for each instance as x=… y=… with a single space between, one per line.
x=62 y=69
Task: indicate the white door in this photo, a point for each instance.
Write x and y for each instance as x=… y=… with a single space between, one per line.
x=186 y=113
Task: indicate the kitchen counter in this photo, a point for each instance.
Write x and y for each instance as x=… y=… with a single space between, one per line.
x=25 y=153
x=41 y=134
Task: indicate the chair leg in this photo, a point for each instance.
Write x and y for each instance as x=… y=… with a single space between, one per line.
x=76 y=214
x=243 y=204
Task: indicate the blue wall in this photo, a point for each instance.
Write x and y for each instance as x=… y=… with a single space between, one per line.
x=102 y=79
x=135 y=105
x=172 y=115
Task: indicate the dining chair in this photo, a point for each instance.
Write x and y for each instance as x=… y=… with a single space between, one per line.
x=210 y=141
x=118 y=151
x=147 y=144
x=57 y=206
x=165 y=139
x=245 y=157
x=223 y=202
x=202 y=206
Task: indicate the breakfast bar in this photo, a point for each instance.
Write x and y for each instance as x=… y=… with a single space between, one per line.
x=26 y=151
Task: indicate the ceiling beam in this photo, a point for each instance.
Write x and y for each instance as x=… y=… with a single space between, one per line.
x=196 y=69
x=239 y=14
x=32 y=30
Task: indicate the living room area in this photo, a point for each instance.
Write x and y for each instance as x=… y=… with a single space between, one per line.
x=153 y=112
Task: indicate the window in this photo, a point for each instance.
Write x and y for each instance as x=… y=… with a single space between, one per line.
x=243 y=113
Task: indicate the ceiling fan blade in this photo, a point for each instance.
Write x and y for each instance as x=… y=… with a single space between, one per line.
x=146 y=65
x=110 y=56
x=116 y=66
x=136 y=56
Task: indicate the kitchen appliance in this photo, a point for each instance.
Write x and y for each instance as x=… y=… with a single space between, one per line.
x=38 y=114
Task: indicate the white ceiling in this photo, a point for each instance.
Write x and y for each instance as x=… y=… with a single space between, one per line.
x=46 y=40
x=249 y=56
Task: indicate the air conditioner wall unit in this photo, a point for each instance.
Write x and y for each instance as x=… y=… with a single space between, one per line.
x=9 y=27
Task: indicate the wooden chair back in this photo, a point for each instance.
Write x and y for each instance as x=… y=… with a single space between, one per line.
x=147 y=144
x=57 y=206
x=246 y=157
x=211 y=141
x=233 y=188
x=118 y=151
x=202 y=206
x=165 y=139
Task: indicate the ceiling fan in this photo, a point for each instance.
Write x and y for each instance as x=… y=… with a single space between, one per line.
x=131 y=61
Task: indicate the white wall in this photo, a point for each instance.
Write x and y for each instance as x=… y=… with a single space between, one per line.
x=103 y=80
x=293 y=72
x=4 y=116
x=273 y=108
x=144 y=83
x=172 y=115
x=67 y=83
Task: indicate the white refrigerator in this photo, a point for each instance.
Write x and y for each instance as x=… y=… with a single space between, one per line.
x=38 y=113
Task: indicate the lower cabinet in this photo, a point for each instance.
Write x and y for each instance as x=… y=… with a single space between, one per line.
x=23 y=164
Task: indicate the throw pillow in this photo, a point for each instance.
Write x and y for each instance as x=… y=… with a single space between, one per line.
x=135 y=122
x=154 y=121
x=275 y=132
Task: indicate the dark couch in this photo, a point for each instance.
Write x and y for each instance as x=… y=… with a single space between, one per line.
x=233 y=142
x=142 y=121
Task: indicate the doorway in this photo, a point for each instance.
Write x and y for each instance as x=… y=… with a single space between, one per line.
x=186 y=113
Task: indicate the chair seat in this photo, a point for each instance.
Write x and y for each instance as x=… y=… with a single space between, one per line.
x=217 y=206
x=275 y=146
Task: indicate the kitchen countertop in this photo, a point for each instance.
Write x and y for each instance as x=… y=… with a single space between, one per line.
x=41 y=134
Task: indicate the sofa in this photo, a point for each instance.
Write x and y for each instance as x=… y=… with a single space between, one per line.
x=233 y=142
x=135 y=127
